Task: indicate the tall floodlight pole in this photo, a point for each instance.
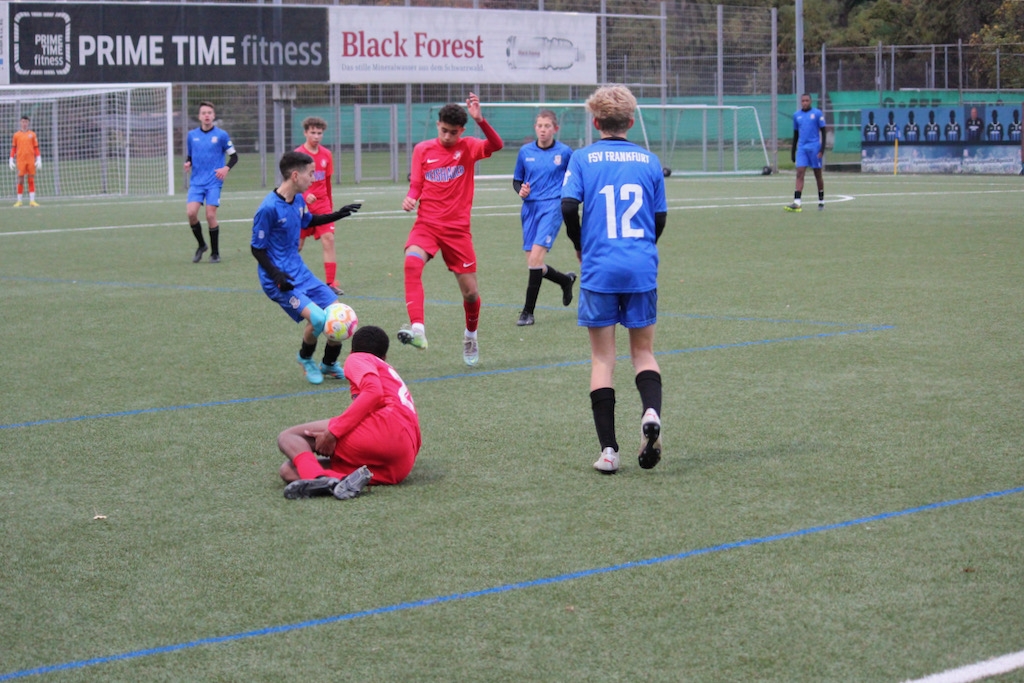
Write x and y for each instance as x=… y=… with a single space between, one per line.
x=799 y=49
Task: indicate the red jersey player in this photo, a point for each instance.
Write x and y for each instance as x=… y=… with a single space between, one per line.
x=442 y=182
x=378 y=435
x=318 y=197
x=25 y=160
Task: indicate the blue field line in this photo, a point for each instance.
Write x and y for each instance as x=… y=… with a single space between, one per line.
x=506 y=588
x=423 y=380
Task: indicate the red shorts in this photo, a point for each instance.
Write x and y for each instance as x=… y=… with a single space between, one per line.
x=455 y=245
x=320 y=230
x=317 y=232
x=388 y=451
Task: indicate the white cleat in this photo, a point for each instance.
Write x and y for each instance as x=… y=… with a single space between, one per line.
x=650 y=439
x=470 y=351
x=608 y=463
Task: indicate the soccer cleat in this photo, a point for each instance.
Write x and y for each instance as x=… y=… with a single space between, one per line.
x=333 y=371
x=33 y=203
x=17 y=203
x=525 y=319
x=352 y=485
x=214 y=258
x=311 y=369
x=650 y=439
x=307 y=488
x=470 y=350
x=199 y=253
x=794 y=207
x=821 y=206
x=336 y=288
x=417 y=341
x=567 y=289
x=608 y=463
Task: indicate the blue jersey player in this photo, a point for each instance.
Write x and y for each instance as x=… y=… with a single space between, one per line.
x=808 y=149
x=622 y=188
x=207 y=146
x=283 y=274
x=540 y=169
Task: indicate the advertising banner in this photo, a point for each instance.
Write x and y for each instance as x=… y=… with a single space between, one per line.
x=969 y=138
x=5 y=77
x=423 y=45
x=96 y=43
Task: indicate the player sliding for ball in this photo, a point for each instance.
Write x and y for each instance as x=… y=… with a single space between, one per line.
x=282 y=272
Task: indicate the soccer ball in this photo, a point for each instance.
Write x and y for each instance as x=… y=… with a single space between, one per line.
x=341 y=322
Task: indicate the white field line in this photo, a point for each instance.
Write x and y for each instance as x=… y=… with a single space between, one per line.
x=513 y=209
x=976 y=672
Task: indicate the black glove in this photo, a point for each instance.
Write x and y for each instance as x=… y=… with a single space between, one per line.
x=282 y=282
x=348 y=210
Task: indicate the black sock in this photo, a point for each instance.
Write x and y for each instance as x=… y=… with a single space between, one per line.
x=821 y=195
x=796 y=195
x=602 y=403
x=214 y=240
x=533 y=289
x=331 y=353
x=648 y=383
x=561 y=279
x=197 y=230
x=307 y=350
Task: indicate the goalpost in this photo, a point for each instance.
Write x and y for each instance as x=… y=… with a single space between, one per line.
x=96 y=140
x=690 y=139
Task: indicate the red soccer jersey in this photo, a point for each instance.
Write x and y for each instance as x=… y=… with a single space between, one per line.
x=442 y=178
x=376 y=388
x=321 y=187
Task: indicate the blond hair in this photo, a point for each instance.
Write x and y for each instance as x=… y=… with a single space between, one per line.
x=613 y=107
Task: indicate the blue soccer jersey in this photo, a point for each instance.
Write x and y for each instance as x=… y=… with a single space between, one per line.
x=808 y=125
x=275 y=228
x=621 y=186
x=544 y=169
x=208 y=149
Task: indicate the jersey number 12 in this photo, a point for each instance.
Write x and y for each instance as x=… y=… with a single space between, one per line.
x=629 y=191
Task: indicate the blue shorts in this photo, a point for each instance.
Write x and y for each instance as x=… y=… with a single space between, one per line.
x=631 y=310
x=541 y=222
x=210 y=194
x=807 y=157
x=296 y=300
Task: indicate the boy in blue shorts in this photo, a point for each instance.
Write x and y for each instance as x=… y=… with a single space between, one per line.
x=808 y=150
x=540 y=169
x=207 y=146
x=622 y=189
x=283 y=274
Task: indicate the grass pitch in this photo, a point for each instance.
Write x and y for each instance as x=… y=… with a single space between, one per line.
x=821 y=370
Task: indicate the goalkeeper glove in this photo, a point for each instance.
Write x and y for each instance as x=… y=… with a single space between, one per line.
x=10 y=162
x=39 y=162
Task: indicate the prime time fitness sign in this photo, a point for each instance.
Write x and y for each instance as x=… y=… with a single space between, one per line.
x=66 y=43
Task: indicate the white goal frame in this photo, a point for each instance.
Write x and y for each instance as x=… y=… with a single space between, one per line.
x=693 y=139
x=117 y=145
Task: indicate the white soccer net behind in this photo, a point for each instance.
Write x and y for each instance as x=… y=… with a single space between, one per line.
x=105 y=140
x=689 y=139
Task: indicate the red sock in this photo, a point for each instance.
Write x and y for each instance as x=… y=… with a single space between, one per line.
x=472 y=314
x=31 y=183
x=308 y=466
x=21 y=188
x=414 y=287
x=330 y=270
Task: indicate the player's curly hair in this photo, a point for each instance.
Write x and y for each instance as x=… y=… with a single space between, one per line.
x=613 y=107
x=453 y=115
x=371 y=339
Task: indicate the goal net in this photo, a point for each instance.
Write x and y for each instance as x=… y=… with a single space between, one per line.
x=689 y=139
x=103 y=140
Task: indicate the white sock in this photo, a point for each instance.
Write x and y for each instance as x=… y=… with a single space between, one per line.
x=470 y=335
x=419 y=329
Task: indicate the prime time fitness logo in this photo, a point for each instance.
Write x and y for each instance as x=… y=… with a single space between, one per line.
x=93 y=43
